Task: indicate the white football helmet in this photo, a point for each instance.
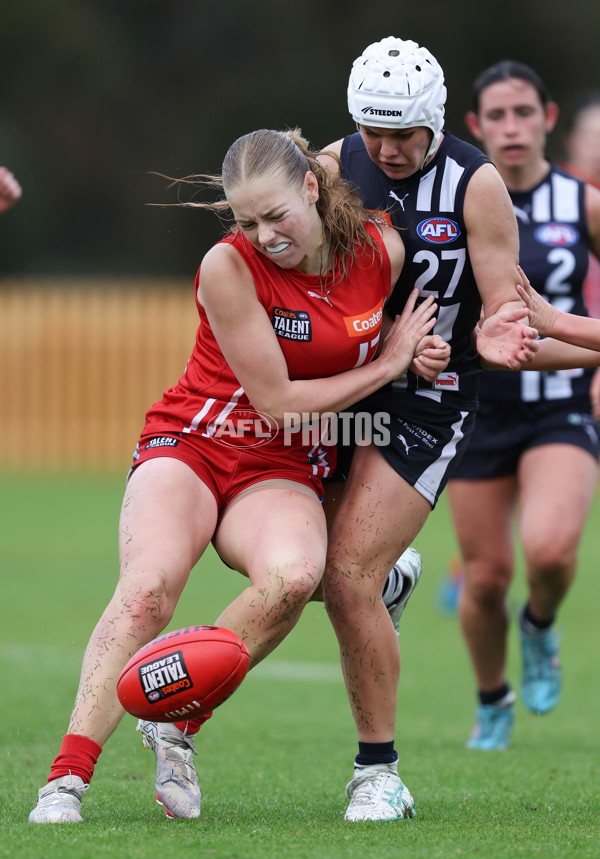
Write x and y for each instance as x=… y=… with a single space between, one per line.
x=397 y=84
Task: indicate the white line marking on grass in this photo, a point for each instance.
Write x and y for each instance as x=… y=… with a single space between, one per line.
x=53 y=656
x=271 y=668
x=68 y=658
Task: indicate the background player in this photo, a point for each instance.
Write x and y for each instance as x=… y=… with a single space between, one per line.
x=533 y=455
x=582 y=147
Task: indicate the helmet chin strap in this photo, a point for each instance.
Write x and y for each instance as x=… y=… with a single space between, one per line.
x=435 y=139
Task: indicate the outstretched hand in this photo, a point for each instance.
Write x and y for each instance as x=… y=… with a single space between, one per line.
x=505 y=341
x=406 y=333
x=539 y=310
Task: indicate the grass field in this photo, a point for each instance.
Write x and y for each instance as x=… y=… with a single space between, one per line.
x=274 y=760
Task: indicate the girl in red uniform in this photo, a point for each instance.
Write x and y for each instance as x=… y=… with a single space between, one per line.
x=290 y=308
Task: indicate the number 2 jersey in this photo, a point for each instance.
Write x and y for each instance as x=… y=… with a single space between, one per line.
x=554 y=251
x=427 y=207
x=324 y=327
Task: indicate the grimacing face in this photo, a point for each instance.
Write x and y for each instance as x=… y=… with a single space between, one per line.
x=279 y=219
x=399 y=152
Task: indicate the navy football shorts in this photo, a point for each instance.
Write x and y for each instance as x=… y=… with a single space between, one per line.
x=422 y=441
x=503 y=435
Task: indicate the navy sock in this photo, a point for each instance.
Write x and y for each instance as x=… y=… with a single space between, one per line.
x=495 y=696
x=534 y=621
x=376 y=753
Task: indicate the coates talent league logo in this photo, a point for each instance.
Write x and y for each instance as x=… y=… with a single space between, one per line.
x=164 y=677
x=438 y=231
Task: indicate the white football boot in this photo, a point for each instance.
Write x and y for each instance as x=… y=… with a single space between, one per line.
x=176 y=784
x=400 y=584
x=378 y=793
x=59 y=801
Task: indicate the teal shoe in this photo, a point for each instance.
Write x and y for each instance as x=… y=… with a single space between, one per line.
x=493 y=725
x=542 y=680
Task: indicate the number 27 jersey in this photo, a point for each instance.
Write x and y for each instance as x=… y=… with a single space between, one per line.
x=427 y=209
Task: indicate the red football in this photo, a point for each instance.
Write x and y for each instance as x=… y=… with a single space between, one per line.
x=183 y=674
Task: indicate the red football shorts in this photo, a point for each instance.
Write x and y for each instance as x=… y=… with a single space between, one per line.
x=226 y=470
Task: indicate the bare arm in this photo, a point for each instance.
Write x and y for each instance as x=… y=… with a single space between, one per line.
x=493 y=243
x=555 y=355
x=493 y=240
x=327 y=160
x=226 y=290
x=576 y=330
x=396 y=252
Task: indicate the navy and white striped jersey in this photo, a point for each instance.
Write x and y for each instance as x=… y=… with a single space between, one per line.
x=427 y=207
x=554 y=246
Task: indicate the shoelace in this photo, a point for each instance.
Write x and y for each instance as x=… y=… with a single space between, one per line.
x=175 y=754
x=152 y=735
x=362 y=788
x=178 y=750
x=61 y=792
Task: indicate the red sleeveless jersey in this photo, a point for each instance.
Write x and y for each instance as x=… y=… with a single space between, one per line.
x=321 y=332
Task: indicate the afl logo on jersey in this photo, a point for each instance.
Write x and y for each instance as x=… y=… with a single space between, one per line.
x=557 y=235
x=438 y=231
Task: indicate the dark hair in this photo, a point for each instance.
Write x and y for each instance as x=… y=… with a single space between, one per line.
x=504 y=71
x=264 y=152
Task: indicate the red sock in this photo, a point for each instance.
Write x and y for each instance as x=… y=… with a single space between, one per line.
x=193 y=725
x=77 y=756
